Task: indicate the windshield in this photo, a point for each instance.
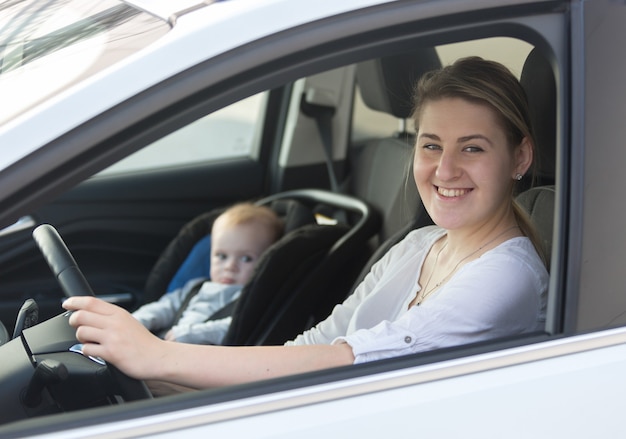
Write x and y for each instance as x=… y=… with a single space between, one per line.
x=46 y=46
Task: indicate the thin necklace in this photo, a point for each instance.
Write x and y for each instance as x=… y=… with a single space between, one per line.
x=447 y=276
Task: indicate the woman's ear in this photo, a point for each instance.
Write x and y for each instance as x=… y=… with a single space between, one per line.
x=523 y=157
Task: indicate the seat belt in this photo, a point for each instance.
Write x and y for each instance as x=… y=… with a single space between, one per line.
x=225 y=311
x=315 y=105
x=193 y=291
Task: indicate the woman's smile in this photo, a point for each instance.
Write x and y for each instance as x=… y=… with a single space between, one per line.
x=452 y=192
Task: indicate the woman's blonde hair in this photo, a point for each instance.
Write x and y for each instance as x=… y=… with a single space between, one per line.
x=481 y=81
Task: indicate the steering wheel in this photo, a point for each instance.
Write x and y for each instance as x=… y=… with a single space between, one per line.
x=73 y=283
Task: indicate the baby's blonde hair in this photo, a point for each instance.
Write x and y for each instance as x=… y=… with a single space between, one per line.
x=244 y=213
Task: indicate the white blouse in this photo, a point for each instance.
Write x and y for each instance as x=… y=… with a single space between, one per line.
x=501 y=293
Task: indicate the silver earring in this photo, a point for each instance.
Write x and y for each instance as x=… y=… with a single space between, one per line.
x=518 y=176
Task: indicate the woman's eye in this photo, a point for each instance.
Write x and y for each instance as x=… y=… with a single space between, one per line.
x=473 y=148
x=431 y=147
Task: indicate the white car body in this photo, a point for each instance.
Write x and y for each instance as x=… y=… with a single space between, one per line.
x=567 y=382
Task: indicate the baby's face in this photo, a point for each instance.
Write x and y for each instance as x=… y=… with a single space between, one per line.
x=235 y=251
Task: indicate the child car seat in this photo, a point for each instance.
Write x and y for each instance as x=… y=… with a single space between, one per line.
x=301 y=277
x=297 y=280
x=188 y=254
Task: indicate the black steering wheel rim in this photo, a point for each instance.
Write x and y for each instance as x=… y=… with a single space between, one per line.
x=74 y=283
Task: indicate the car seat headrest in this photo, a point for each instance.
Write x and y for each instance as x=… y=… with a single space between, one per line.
x=538 y=203
x=387 y=83
x=293 y=213
x=538 y=81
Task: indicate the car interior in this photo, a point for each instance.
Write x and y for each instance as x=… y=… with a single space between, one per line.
x=314 y=266
x=372 y=169
x=272 y=314
x=347 y=199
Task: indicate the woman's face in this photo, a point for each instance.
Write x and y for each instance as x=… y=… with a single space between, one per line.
x=463 y=167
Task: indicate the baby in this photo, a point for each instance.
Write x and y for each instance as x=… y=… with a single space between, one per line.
x=239 y=237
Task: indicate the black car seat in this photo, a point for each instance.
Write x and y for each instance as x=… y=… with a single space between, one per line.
x=538 y=81
x=296 y=280
x=539 y=203
x=191 y=247
x=381 y=168
x=295 y=288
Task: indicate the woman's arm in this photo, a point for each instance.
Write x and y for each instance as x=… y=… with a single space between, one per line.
x=109 y=332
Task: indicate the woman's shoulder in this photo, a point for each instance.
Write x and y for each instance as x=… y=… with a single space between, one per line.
x=519 y=250
x=521 y=246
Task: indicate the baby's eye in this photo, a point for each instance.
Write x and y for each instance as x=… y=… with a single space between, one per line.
x=247 y=259
x=220 y=256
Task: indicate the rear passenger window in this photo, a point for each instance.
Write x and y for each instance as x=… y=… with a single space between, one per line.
x=232 y=132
